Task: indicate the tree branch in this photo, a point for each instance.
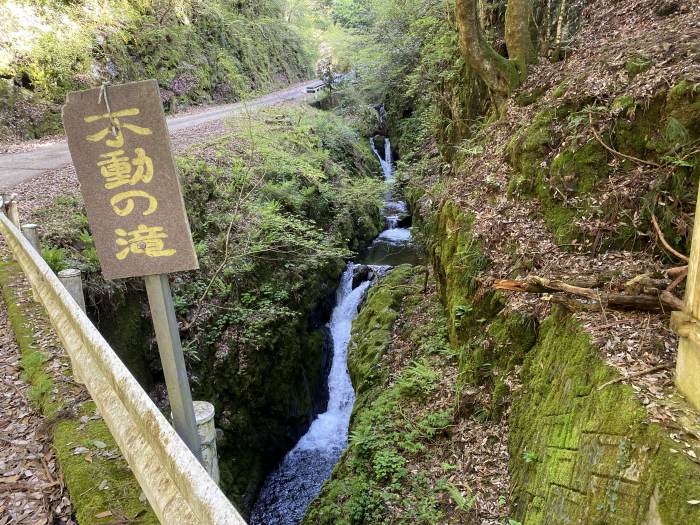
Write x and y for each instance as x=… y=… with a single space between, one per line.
x=665 y=243
x=659 y=301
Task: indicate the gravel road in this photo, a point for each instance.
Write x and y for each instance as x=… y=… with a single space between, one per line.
x=38 y=157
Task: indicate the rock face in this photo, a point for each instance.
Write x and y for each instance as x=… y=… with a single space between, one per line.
x=596 y=457
x=578 y=453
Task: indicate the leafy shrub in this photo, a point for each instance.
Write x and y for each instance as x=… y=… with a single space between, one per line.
x=55 y=258
x=388 y=466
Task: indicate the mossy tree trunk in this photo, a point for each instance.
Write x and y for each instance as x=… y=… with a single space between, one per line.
x=518 y=38
x=500 y=74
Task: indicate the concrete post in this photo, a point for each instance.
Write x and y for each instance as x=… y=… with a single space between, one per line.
x=13 y=213
x=73 y=283
x=70 y=278
x=204 y=414
x=31 y=233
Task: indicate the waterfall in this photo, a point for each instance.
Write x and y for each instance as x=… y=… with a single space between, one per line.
x=297 y=480
x=387 y=161
x=288 y=491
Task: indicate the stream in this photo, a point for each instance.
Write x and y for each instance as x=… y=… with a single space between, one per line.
x=297 y=480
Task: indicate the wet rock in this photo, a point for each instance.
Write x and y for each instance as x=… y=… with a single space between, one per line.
x=379 y=145
x=361 y=273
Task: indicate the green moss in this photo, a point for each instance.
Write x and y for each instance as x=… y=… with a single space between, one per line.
x=82 y=473
x=683 y=104
x=578 y=168
x=374 y=322
x=639 y=135
x=529 y=97
x=637 y=65
x=41 y=389
x=682 y=89
x=527 y=150
x=87 y=472
x=593 y=446
x=623 y=104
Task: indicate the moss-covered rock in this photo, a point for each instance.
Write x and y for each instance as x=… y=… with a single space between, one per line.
x=372 y=329
x=584 y=454
x=579 y=453
x=197 y=51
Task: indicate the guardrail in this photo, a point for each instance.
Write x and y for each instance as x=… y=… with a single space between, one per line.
x=176 y=485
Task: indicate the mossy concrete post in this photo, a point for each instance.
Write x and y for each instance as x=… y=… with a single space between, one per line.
x=73 y=283
x=685 y=323
x=31 y=233
x=204 y=414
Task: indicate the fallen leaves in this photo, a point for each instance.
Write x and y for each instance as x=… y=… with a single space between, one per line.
x=31 y=490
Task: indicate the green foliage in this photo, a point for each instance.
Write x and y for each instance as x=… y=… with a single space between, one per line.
x=637 y=65
x=465 y=504
x=419 y=380
x=388 y=466
x=675 y=134
x=198 y=51
x=353 y=14
x=55 y=258
x=396 y=426
x=529 y=456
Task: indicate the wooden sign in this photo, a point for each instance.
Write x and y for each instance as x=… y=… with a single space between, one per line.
x=120 y=147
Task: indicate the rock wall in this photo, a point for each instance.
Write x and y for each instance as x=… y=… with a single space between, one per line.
x=579 y=452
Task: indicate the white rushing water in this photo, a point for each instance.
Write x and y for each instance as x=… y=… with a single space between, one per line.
x=387 y=161
x=394 y=245
x=288 y=491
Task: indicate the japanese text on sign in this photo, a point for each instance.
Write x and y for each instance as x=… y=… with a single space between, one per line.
x=121 y=150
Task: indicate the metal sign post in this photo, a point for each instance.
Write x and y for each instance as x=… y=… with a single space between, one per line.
x=160 y=300
x=119 y=143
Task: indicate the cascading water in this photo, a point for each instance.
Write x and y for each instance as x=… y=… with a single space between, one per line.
x=288 y=491
x=297 y=480
x=395 y=244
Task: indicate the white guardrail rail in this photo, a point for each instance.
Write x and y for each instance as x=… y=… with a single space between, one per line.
x=176 y=485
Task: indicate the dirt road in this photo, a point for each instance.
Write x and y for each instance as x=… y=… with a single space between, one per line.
x=16 y=168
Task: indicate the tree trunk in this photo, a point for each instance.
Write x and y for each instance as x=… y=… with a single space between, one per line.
x=498 y=73
x=518 y=38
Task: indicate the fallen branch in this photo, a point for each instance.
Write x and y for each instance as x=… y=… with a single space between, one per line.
x=663 y=240
x=614 y=151
x=678 y=280
x=676 y=271
x=651 y=370
x=661 y=301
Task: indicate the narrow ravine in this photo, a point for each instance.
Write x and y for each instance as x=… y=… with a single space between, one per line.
x=291 y=487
